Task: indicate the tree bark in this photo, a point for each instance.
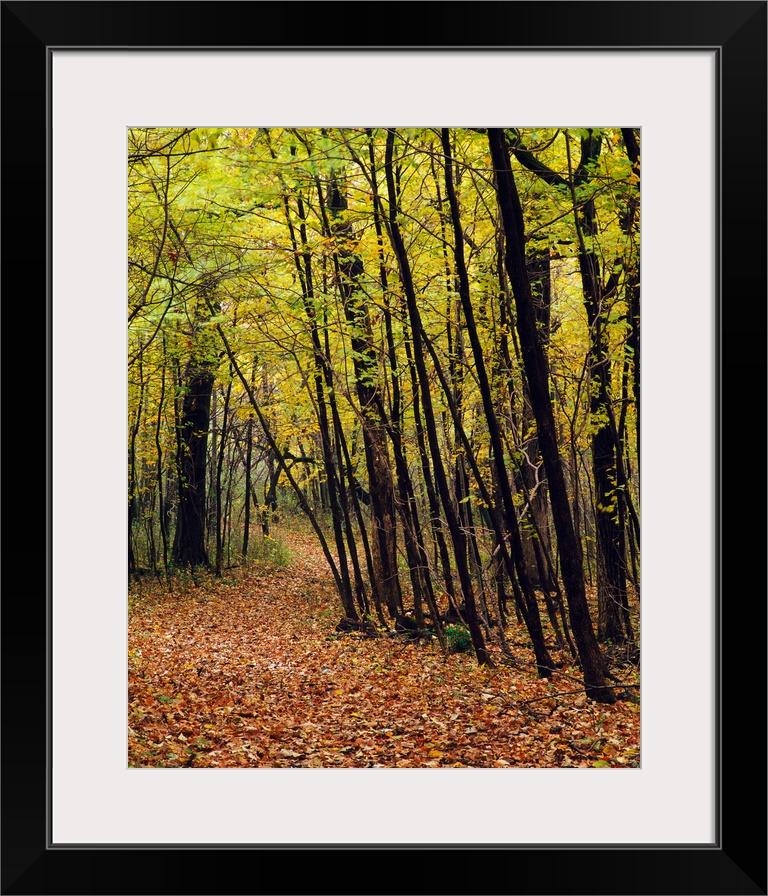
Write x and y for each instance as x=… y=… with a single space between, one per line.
x=533 y=620
x=220 y=517
x=161 y=512
x=189 y=540
x=304 y=267
x=534 y=360
x=457 y=535
x=248 y=461
x=610 y=562
x=381 y=486
x=629 y=222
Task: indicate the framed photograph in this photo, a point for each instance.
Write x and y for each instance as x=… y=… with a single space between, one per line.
x=691 y=79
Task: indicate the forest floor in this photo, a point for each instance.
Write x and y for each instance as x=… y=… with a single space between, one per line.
x=249 y=671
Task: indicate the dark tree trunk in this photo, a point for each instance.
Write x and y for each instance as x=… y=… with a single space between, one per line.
x=161 y=512
x=354 y=491
x=131 y=556
x=532 y=480
x=332 y=483
x=248 y=464
x=217 y=484
x=269 y=508
x=629 y=224
x=134 y=506
x=457 y=535
x=407 y=505
x=418 y=559
x=534 y=360
x=543 y=659
x=330 y=488
x=610 y=562
x=381 y=486
x=345 y=484
x=189 y=541
x=441 y=548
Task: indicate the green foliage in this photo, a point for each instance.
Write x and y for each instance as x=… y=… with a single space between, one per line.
x=270 y=551
x=224 y=227
x=458 y=639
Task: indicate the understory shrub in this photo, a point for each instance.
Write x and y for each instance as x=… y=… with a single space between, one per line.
x=270 y=551
x=458 y=639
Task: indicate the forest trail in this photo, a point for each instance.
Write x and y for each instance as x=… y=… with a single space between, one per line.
x=249 y=671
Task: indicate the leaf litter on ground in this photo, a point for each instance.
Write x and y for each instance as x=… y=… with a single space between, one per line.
x=249 y=671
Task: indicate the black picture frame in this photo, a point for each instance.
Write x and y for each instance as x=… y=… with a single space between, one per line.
x=736 y=863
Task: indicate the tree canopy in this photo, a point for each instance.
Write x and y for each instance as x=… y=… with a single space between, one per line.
x=423 y=342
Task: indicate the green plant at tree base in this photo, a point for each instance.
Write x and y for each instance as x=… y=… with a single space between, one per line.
x=458 y=639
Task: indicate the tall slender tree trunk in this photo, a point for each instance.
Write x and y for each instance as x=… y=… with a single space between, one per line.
x=534 y=481
x=248 y=465
x=457 y=535
x=189 y=541
x=610 y=561
x=345 y=483
x=543 y=659
x=438 y=533
x=629 y=223
x=407 y=504
x=159 y=449
x=332 y=483
x=381 y=488
x=133 y=499
x=534 y=360
x=217 y=485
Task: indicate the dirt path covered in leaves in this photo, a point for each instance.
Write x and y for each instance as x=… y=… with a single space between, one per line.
x=249 y=671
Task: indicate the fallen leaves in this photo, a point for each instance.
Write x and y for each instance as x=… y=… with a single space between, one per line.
x=251 y=673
